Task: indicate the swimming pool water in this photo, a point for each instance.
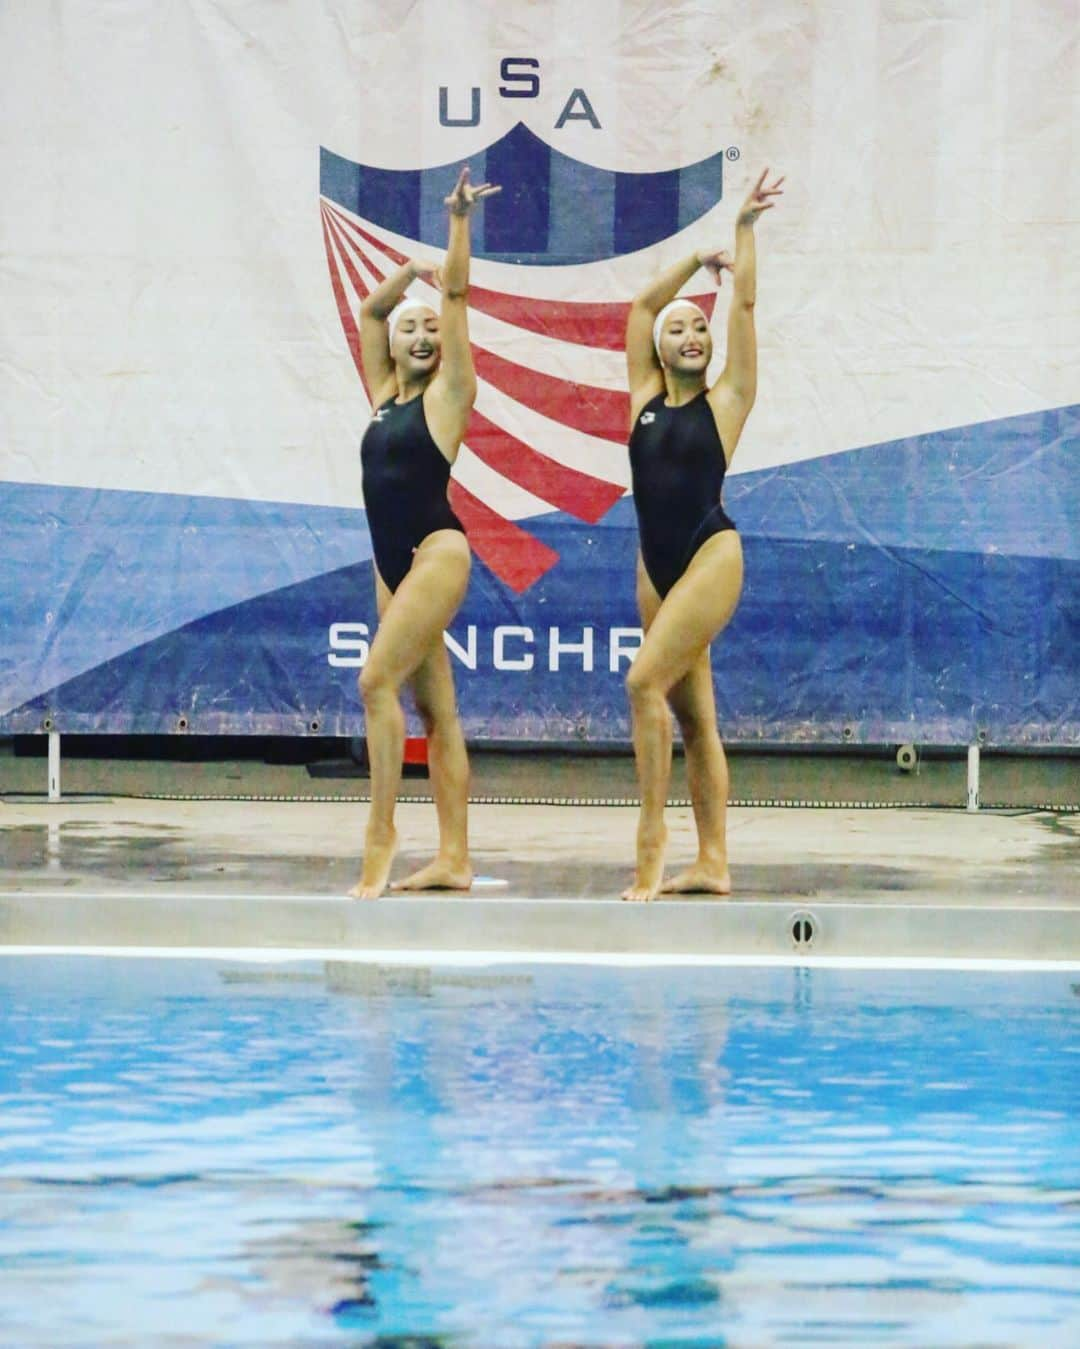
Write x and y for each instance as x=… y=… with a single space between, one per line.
x=209 y=1152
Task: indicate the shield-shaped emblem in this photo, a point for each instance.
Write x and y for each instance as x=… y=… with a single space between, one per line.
x=548 y=432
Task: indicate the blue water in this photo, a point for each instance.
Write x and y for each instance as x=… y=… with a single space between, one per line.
x=314 y=1155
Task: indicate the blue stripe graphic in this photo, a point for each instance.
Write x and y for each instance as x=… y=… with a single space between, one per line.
x=552 y=208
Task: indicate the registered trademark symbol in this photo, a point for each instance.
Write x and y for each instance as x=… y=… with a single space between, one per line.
x=732 y=152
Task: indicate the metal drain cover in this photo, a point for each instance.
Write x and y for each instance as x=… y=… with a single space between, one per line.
x=803 y=928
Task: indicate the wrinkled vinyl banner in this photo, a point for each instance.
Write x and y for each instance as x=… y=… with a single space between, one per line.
x=198 y=194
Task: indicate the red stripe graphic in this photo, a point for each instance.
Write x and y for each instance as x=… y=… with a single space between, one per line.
x=577 y=493
x=399 y=259
x=352 y=332
x=513 y=554
x=359 y=284
x=600 y=324
x=597 y=412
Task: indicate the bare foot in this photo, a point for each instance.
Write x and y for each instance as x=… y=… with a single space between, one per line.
x=650 y=867
x=442 y=874
x=703 y=878
x=378 y=859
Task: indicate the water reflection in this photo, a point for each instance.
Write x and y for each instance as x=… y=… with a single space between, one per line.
x=317 y=1153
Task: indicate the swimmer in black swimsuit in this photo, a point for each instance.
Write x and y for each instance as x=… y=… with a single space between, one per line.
x=405 y=480
x=419 y=373
x=683 y=433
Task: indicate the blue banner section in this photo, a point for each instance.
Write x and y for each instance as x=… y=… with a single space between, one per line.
x=552 y=208
x=923 y=590
x=88 y=575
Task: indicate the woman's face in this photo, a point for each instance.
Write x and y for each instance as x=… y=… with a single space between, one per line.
x=416 y=343
x=685 y=341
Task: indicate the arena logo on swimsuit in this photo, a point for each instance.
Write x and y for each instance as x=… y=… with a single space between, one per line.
x=540 y=306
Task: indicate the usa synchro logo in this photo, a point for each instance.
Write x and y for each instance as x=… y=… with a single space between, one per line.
x=550 y=424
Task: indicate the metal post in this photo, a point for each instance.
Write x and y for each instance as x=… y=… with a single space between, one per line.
x=973 y=778
x=54 y=765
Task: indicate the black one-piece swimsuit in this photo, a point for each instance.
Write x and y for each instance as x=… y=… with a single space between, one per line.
x=405 y=477
x=677 y=464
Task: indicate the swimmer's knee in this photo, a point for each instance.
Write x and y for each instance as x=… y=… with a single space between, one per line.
x=639 y=688
x=375 y=684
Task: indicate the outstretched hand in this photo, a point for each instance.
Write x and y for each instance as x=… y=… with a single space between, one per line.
x=758 y=201
x=716 y=263
x=465 y=194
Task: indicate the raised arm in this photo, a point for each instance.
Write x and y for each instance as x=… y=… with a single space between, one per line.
x=454 y=387
x=737 y=385
x=642 y=363
x=374 y=311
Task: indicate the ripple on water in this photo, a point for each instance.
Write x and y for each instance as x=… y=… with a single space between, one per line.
x=564 y=1156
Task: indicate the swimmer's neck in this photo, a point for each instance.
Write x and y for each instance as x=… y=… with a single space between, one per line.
x=681 y=391
x=408 y=389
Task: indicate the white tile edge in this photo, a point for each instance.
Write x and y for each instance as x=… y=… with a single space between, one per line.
x=474 y=959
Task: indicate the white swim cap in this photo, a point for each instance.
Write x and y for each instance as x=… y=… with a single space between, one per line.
x=658 y=322
x=396 y=315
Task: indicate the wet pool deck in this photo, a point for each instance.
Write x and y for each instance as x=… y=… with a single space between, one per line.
x=94 y=871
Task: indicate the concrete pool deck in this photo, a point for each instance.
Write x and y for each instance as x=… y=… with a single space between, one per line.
x=936 y=883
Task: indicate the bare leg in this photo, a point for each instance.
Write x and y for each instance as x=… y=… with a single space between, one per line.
x=651 y=724
x=651 y=731
x=386 y=743
x=386 y=746
x=689 y=617
x=694 y=706
x=433 y=688
x=410 y=621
